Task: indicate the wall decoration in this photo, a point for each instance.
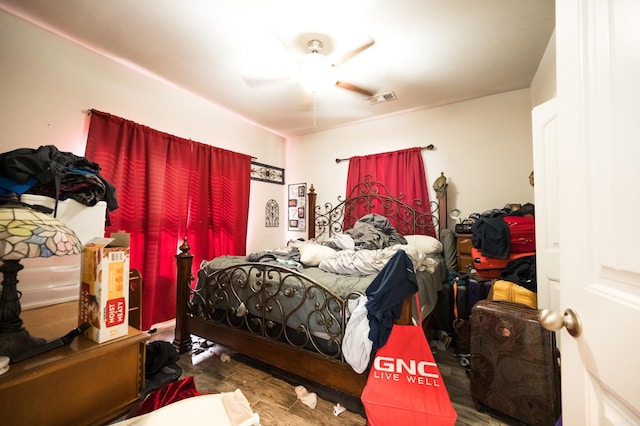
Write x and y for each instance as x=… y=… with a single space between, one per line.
x=272 y=214
x=266 y=173
x=297 y=207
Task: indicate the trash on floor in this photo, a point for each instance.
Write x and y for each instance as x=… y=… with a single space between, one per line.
x=202 y=349
x=310 y=399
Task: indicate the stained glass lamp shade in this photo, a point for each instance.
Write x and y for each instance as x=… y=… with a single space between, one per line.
x=25 y=233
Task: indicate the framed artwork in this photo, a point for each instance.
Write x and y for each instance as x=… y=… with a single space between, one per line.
x=272 y=214
x=297 y=207
x=266 y=173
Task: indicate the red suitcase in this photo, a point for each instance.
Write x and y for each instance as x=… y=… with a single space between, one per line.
x=522 y=230
x=490 y=267
x=514 y=363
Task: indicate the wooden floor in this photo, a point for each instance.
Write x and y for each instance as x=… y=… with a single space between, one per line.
x=276 y=402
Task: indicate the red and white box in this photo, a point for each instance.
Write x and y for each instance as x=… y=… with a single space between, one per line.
x=104 y=287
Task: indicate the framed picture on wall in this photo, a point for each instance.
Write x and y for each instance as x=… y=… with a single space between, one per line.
x=266 y=173
x=297 y=207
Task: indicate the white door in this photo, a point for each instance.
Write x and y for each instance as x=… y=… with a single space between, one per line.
x=598 y=69
x=545 y=166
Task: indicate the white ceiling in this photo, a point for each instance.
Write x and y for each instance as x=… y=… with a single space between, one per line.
x=428 y=52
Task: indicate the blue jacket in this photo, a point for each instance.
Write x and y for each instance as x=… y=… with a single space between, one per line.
x=385 y=295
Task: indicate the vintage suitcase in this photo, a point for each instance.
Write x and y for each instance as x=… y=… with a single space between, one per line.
x=490 y=267
x=522 y=231
x=512 y=292
x=514 y=363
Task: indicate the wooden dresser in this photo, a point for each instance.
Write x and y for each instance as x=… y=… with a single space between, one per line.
x=83 y=383
x=463 y=252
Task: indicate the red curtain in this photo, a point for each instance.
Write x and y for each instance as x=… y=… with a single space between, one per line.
x=402 y=172
x=168 y=188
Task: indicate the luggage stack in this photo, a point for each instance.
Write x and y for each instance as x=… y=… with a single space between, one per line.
x=491 y=267
x=514 y=365
x=500 y=240
x=500 y=248
x=455 y=301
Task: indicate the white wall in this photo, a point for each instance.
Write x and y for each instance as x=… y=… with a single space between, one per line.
x=543 y=86
x=48 y=84
x=483 y=146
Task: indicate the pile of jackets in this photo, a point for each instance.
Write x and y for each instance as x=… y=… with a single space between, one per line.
x=52 y=173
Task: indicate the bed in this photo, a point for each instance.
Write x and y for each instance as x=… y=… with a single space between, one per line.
x=294 y=319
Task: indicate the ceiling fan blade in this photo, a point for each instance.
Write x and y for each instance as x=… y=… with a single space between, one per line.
x=349 y=55
x=354 y=88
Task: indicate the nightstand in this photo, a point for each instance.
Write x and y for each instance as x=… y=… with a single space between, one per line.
x=463 y=252
x=81 y=383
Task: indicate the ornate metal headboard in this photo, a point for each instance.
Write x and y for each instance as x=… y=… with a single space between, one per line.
x=407 y=217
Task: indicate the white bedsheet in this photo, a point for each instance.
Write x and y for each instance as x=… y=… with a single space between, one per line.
x=221 y=409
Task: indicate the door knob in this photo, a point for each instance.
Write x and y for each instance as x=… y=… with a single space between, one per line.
x=553 y=321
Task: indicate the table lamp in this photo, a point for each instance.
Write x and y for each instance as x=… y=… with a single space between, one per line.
x=25 y=233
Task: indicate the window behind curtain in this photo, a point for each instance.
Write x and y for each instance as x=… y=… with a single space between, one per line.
x=168 y=188
x=402 y=172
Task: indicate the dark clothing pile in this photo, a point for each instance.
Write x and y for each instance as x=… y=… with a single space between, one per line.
x=491 y=236
x=522 y=271
x=490 y=233
x=52 y=173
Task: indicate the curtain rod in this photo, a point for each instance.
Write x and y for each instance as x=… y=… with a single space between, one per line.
x=429 y=147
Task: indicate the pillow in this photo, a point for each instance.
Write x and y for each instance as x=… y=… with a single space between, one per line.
x=313 y=254
x=424 y=243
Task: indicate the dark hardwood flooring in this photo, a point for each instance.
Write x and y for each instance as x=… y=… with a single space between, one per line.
x=275 y=400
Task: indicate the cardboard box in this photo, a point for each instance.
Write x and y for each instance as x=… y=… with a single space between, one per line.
x=104 y=287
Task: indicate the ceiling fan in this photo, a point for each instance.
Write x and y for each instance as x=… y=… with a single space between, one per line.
x=316 y=72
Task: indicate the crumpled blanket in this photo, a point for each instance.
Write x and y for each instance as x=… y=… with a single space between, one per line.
x=373 y=231
x=369 y=262
x=340 y=242
x=288 y=257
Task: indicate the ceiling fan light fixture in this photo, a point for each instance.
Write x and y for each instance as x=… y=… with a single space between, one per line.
x=316 y=72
